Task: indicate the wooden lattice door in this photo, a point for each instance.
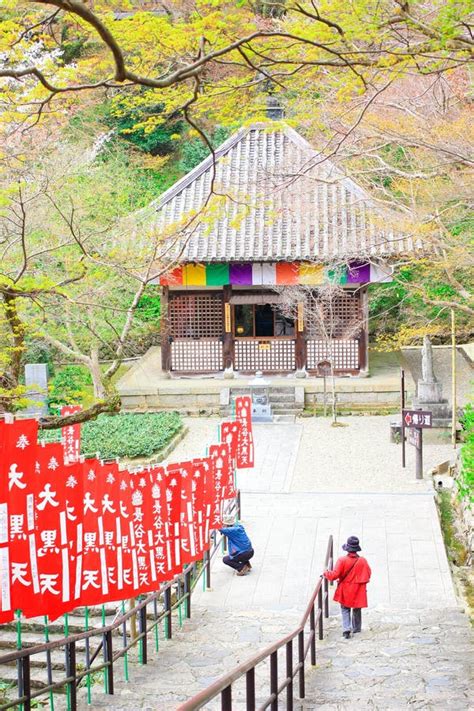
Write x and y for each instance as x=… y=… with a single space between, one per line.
x=195 y=324
x=334 y=327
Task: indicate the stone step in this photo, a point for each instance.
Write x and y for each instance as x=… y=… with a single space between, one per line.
x=38 y=661
x=286 y=411
x=9 y=677
x=281 y=389
x=284 y=418
x=281 y=397
x=75 y=625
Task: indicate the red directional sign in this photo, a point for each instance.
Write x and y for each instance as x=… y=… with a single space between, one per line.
x=417 y=418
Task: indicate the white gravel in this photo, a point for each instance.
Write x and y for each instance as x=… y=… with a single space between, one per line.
x=356 y=458
x=359 y=457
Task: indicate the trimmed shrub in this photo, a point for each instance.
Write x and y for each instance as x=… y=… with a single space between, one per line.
x=129 y=435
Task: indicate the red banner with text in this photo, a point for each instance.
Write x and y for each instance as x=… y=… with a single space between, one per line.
x=77 y=532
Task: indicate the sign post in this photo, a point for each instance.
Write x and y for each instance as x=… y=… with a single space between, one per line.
x=416 y=421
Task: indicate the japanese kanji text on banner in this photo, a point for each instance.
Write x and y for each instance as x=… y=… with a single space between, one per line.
x=79 y=532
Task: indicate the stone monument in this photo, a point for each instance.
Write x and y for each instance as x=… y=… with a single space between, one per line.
x=430 y=390
x=36 y=381
x=259 y=391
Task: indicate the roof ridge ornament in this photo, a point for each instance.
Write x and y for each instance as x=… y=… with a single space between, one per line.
x=275 y=110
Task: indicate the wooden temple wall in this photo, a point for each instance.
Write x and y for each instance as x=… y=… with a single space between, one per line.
x=197 y=336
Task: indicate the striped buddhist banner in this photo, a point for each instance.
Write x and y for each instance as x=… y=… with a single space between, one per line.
x=275 y=274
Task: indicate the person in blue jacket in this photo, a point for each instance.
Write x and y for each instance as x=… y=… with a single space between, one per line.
x=240 y=547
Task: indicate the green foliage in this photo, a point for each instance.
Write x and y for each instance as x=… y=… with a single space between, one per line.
x=37 y=351
x=456 y=550
x=466 y=478
x=149 y=306
x=400 y=314
x=195 y=150
x=129 y=435
x=70 y=386
x=130 y=123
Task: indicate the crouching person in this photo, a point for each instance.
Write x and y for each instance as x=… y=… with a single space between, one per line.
x=239 y=545
x=352 y=573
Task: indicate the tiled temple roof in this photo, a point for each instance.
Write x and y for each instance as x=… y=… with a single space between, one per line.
x=277 y=199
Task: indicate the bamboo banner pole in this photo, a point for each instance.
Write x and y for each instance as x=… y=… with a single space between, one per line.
x=133 y=619
x=453 y=378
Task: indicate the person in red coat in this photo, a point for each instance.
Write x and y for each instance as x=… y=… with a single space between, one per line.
x=352 y=573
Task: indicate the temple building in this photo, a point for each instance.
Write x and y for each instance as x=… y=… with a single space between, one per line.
x=265 y=220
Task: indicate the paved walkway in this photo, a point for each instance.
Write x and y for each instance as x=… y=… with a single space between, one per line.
x=414 y=647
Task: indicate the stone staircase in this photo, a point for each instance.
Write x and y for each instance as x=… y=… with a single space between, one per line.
x=403 y=658
x=287 y=401
x=34 y=632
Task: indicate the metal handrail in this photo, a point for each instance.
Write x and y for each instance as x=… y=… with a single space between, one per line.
x=223 y=686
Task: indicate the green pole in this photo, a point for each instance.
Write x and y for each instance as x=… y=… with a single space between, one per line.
x=66 y=634
x=18 y=639
x=48 y=655
x=125 y=656
x=140 y=651
x=88 y=677
x=157 y=639
x=104 y=671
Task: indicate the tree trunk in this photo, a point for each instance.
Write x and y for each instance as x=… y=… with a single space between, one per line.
x=96 y=373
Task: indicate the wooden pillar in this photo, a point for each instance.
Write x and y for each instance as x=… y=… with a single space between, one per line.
x=228 y=337
x=364 y=333
x=165 y=330
x=300 y=333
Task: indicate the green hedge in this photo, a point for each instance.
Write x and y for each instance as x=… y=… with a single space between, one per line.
x=125 y=435
x=129 y=435
x=466 y=478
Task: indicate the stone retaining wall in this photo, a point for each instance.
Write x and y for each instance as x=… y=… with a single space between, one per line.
x=209 y=400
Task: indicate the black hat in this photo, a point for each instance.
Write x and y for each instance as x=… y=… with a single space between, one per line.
x=352 y=545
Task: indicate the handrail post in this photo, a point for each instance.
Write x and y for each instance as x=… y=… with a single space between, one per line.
x=239 y=505
x=274 y=680
x=71 y=674
x=26 y=681
x=208 y=569
x=110 y=662
x=312 y=626
x=326 y=597
x=187 y=592
x=289 y=675
x=167 y=604
x=320 y=607
x=250 y=689
x=226 y=699
x=301 y=664
x=143 y=634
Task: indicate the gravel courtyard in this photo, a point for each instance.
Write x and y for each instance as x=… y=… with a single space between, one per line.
x=357 y=457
